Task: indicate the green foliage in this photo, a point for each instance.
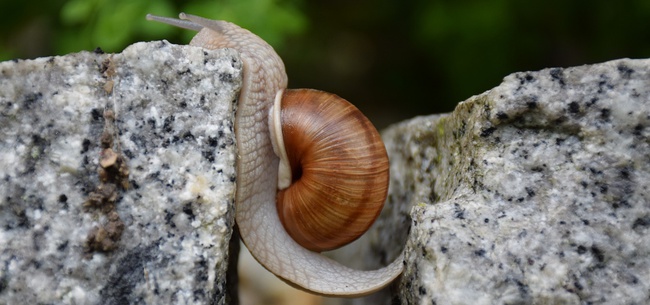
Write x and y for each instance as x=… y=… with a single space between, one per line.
x=495 y=38
x=112 y=24
x=271 y=20
x=76 y=25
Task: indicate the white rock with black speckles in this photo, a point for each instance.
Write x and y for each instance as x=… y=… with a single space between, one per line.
x=535 y=192
x=174 y=116
x=540 y=191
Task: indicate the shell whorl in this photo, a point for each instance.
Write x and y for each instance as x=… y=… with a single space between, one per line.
x=339 y=170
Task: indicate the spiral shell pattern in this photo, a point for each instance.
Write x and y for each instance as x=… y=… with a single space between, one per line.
x=339 y=170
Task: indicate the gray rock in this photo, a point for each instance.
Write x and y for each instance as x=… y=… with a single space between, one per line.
x=170 y=180
x=535 y=192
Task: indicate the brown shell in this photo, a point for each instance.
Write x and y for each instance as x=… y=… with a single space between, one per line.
x=339 y=170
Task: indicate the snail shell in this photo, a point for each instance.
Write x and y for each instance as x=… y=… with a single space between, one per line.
x=338 y=168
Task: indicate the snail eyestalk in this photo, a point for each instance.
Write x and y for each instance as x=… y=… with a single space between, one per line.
x=185 y=24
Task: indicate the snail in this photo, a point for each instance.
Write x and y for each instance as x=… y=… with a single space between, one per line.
x=270 y=141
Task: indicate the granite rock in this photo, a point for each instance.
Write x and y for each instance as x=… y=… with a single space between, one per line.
x=535 y=192
x=118 y=176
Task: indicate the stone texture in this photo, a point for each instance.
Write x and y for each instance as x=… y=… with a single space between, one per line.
x=173 y=109
x=535 y=192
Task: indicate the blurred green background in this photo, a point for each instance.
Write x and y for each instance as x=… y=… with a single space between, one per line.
x=393 y=59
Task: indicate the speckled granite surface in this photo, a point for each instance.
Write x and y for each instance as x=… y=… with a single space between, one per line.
x=172 y=128
x=535 y=192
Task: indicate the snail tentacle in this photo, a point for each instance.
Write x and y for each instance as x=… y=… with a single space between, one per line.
x=185 y=24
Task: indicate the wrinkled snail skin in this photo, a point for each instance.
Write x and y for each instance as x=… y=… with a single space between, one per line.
x=257 y=171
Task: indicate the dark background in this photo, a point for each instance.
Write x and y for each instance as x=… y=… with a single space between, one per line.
x=393 y=59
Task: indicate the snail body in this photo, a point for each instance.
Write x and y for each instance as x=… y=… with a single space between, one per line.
x=264 y=132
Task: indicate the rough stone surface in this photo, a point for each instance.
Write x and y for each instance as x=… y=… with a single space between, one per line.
x=535 y=192
x=173 y=109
